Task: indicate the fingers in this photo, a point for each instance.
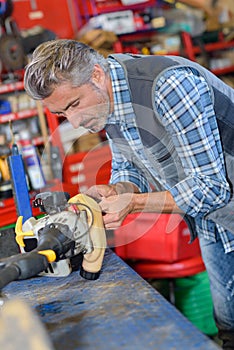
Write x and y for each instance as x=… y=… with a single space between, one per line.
x=111 y=221
x=97 y=192
x=115 y=209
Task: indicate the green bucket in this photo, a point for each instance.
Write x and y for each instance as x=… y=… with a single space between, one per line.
x=193 y=299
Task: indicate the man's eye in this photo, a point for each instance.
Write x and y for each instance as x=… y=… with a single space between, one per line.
x=75 y=104
x=60 y=114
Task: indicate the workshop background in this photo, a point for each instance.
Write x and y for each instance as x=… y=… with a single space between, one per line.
x=56 y=156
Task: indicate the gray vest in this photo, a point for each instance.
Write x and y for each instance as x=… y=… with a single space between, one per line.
x=142 y=74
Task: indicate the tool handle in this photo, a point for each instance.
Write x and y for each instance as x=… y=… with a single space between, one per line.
x=22 y=266
x=8 y=274
x=19 y=184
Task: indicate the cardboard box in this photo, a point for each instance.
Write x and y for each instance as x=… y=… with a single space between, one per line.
x=220 y=16
x=98 y=38
x=87 y=142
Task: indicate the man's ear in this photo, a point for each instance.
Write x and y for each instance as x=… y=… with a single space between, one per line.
x=98 y=76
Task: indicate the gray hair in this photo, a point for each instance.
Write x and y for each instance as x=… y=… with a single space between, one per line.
x=58 y=61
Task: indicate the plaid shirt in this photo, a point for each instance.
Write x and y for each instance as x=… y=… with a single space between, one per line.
x=184 y=104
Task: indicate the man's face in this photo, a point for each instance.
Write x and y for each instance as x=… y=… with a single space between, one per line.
x=87 y=106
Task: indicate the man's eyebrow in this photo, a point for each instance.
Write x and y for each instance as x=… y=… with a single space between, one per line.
x=67 y=106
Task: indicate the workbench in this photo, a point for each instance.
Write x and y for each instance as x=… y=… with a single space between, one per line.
x=120 y=310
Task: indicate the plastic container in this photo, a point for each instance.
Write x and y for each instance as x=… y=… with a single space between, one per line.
x=32 y=162
x=155 y=237
x=5 y=107
x=193 y=299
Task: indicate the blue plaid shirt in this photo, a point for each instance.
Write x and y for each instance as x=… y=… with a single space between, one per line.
x=184 y=104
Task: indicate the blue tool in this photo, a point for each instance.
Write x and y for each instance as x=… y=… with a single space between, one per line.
x=19 y=184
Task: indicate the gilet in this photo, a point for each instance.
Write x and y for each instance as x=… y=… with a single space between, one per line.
x=142 y=74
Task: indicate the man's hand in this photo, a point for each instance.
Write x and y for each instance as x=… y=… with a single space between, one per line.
x=97 y=192
x=116 y=208
x=116 y=201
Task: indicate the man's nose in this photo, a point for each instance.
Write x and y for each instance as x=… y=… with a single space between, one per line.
x=73 y=118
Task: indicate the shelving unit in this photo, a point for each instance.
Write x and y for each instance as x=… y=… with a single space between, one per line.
x=191 y=51
x=130 y=42
x=7 y=206
x=128 y=20
x=92 y=8
x=127 y=43
x=11 y=87
x=15 y=88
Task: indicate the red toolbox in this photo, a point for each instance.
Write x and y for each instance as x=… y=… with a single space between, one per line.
x=155 y=237
x=85 y=169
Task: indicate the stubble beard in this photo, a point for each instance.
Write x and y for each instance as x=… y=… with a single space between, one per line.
x=102 y=110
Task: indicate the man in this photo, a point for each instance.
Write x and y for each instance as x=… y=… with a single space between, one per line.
x=163 y=117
